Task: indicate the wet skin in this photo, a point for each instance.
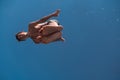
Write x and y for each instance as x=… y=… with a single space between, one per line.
x=45 y=34
x=42 y=32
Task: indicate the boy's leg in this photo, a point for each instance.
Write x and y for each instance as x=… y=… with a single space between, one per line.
x=54 y=14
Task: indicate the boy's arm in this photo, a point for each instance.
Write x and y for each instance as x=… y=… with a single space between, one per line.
x=48 y=29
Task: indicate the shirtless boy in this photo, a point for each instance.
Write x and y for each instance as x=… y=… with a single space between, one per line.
x=43 y=31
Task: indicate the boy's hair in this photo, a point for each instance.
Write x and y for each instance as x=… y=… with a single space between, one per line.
x=18 y=37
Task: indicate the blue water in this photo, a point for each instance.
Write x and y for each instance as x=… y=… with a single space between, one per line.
x=91 y=50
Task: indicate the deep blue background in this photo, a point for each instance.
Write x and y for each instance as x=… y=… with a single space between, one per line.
x=91 y=50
